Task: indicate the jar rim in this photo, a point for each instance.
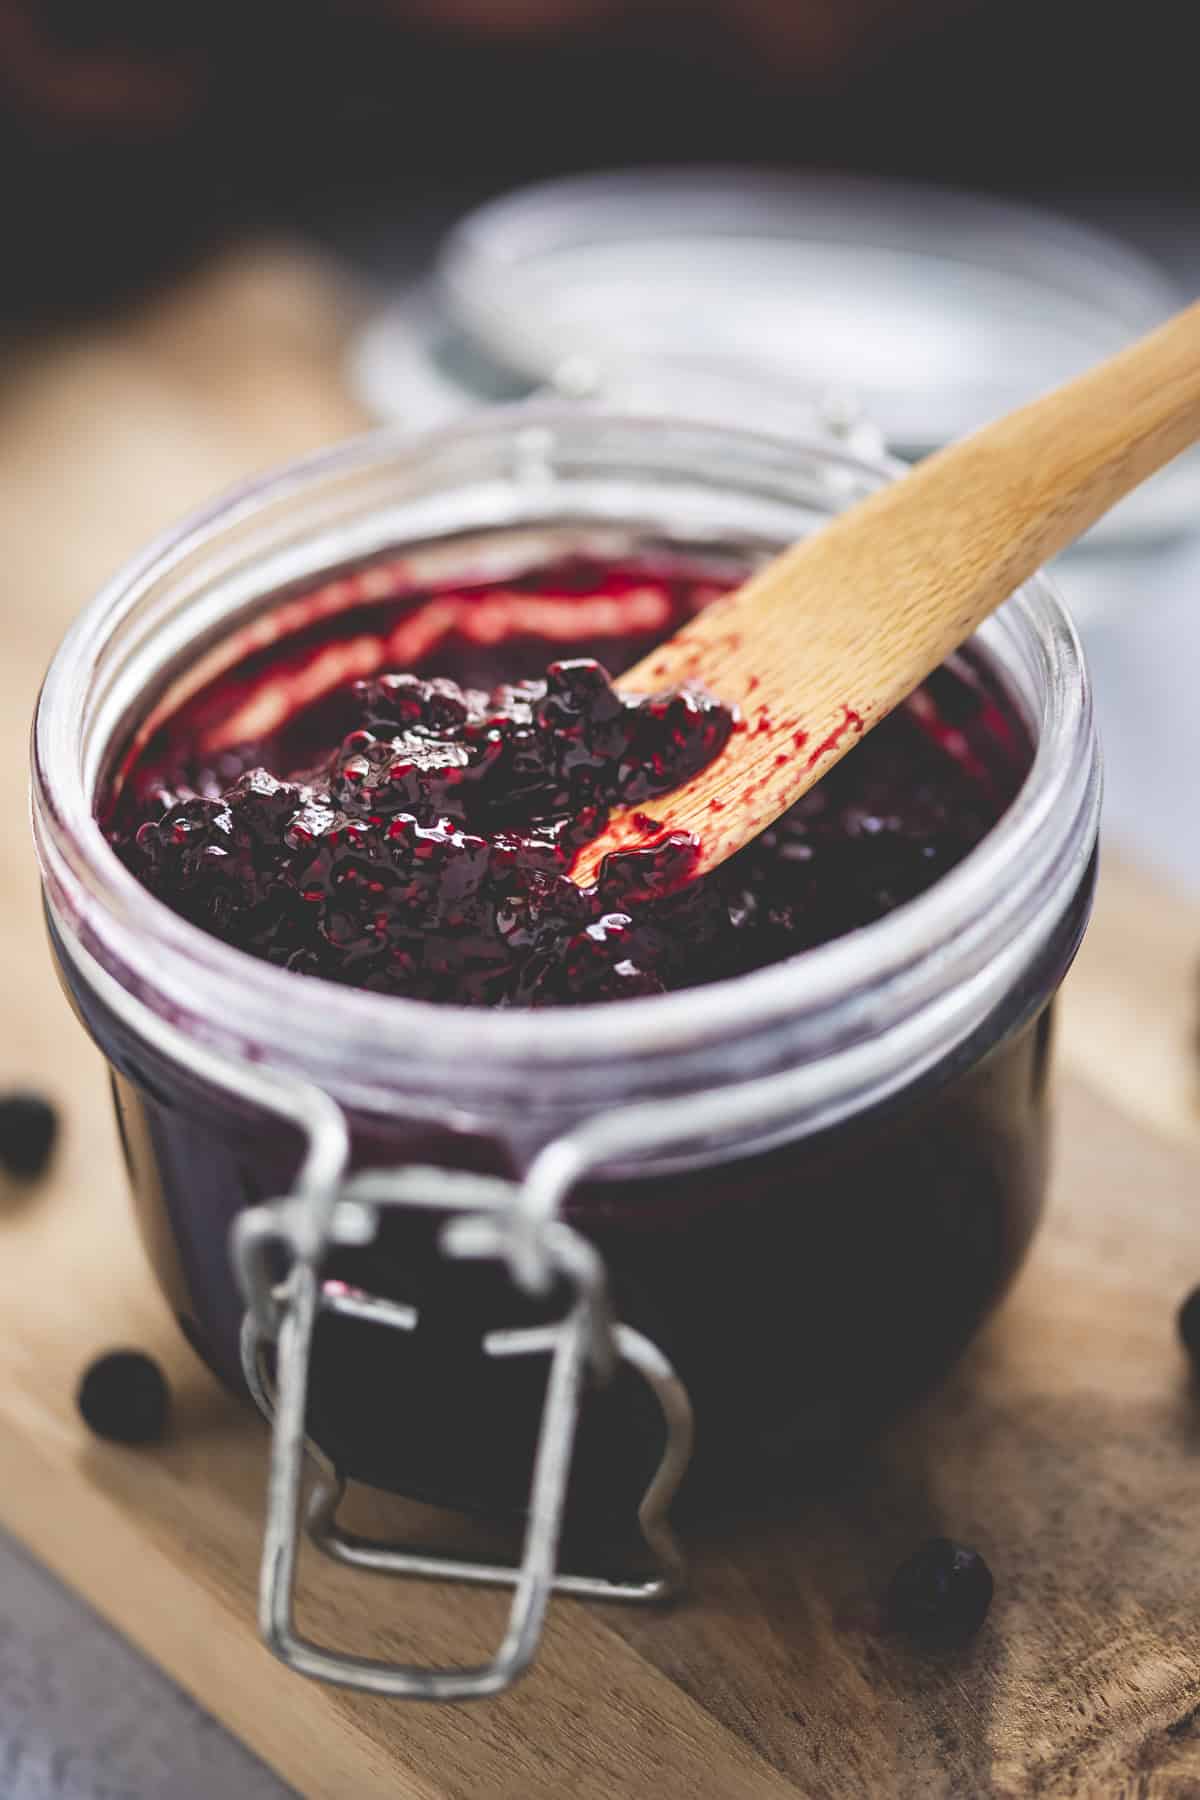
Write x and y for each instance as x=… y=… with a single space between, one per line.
x=936 y=958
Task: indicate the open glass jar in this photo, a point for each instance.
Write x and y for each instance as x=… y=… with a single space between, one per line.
x=778 y=1204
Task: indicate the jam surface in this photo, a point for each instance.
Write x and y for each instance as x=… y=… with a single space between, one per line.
x=413 y=834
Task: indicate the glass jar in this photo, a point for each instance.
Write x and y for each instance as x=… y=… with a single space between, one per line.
x=798 y=1191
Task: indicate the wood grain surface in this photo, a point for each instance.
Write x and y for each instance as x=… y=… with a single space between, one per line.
x=1066 y=1447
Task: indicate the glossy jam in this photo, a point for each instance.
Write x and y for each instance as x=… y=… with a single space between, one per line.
x=426 y=853
x=805 y=1291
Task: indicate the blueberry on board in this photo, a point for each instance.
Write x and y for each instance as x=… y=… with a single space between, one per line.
x=1189 y=1325
x=28 y=1128
x=123 y=1396
x=942 y=1593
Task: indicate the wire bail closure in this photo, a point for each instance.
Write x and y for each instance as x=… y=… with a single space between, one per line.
x=487 y=1218
x=517 y=1223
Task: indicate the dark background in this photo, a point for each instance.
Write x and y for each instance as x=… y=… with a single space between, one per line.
x=135 y=132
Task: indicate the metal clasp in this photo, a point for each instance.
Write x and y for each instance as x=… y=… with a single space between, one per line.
x=278 y=1251
x=488 y=1218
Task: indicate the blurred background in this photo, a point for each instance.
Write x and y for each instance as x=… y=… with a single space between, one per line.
x=237 y=216
x=133 y=135
x=233 y=232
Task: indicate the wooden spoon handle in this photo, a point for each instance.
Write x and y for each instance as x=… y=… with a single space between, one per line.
x=831 y=635
x=948 y=544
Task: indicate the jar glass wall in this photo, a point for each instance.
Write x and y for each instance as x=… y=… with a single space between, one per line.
x=808 y=1183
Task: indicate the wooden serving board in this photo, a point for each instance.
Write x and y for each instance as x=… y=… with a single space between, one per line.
x=1066 y=1447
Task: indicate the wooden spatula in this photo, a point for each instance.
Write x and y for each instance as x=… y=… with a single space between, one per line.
x=825 y=640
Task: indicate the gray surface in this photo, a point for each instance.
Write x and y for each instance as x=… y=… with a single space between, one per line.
x=1140 y=620
x=82 y=1716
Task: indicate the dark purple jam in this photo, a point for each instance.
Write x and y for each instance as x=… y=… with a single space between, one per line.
x=427 y=852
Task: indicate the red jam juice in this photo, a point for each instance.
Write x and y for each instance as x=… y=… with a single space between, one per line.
x=387 y=793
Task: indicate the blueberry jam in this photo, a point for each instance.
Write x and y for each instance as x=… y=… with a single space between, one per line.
x=382 y=784
x=427 y=853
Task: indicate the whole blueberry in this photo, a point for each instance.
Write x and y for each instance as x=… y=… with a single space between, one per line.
x=28 y=1128
x=1189 y=1325
x=123 y=1396
x=942 y=1593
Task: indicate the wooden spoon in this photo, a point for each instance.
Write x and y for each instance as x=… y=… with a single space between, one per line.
x=827 y=638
